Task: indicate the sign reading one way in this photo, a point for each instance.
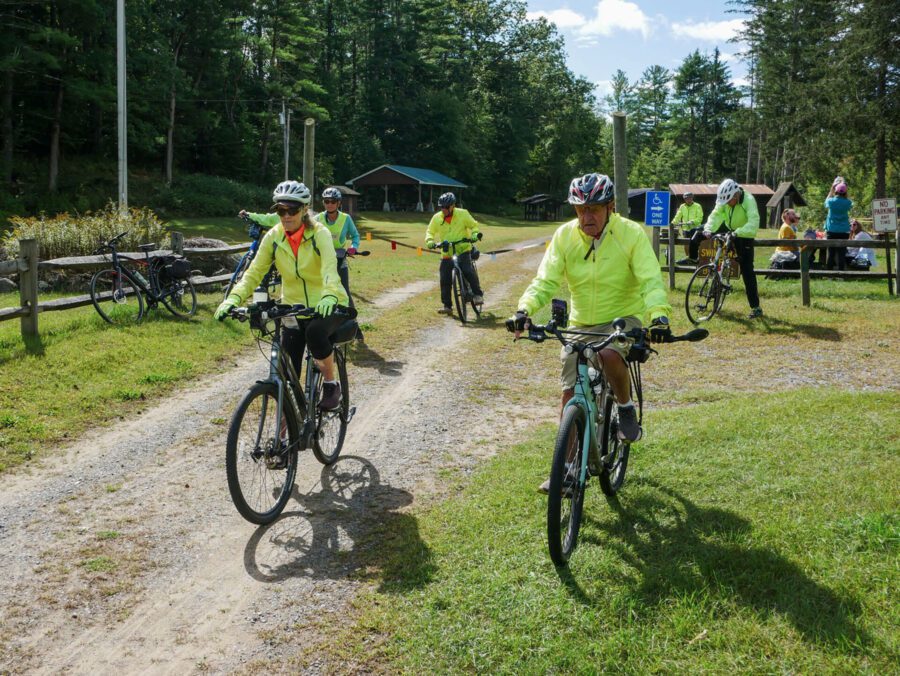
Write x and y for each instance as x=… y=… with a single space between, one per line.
x=656 y=209
x=884 y=214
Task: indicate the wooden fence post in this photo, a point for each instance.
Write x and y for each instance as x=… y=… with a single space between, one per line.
x=804 y=274
x=28 y=286
x=887 y=260
x=177 y=240
x=671 y=255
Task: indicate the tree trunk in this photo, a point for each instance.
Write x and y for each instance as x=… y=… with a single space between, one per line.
x=264 y=155
x=170 y=137
x=8 y=141
x=53 y=182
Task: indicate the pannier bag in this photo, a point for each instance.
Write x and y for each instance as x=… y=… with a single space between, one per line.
x=171 y=267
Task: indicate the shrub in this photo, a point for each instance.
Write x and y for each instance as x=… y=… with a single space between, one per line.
x=200 y=195
x=79 y=234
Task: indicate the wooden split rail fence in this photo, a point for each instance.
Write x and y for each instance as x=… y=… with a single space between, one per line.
x=804 y=273
x=28 y=263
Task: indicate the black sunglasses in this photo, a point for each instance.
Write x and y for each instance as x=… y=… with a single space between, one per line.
x=330 y=201
x=287 y=211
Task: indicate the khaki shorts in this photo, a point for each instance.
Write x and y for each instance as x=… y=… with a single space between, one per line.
x=570 y=361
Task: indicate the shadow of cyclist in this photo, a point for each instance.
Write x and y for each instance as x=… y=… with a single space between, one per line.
x=349 y=528
x=774 y=325
x=364 y=356
x=678 y=548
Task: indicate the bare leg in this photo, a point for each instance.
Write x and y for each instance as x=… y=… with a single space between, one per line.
x=616 y=373
x=326 y=366
x=566 y=397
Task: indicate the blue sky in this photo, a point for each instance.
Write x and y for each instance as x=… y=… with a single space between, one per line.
x=605 y=35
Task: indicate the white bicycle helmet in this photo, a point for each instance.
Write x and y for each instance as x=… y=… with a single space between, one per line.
x=332 y=194
x=727 y=189
x=291 y=191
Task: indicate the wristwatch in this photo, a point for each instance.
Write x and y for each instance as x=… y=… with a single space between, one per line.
x=664 y=321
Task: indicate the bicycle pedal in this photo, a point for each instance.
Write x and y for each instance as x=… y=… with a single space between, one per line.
x=350 y=414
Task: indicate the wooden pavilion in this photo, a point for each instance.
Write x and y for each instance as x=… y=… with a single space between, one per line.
x=388 y=175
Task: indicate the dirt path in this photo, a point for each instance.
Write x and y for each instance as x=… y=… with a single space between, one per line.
x=126 y=555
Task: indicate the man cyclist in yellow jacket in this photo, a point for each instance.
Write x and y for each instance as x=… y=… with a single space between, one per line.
x=690 y=217
x=303 y=252
x=451 y=224
x=611 y=271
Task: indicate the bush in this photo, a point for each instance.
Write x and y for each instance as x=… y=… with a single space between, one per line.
x=80 y=234
x=200 y=195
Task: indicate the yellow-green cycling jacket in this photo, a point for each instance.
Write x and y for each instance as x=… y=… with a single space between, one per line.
x=619 y=279
x=305 y=278
x=742 y=218
x=461 y=226
x=692 y=213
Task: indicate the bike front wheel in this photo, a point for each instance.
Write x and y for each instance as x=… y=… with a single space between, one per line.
x=566 y=495
x=331 y=426
x=702 y=298
x=476 y=308
x=613 y=451
x=117 y=297
x=458 y=298
x=260 y=459
x=180 y=298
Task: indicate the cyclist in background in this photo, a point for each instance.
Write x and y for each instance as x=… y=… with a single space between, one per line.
x=735 y=212
x=303 y=253
x=342 y=228
x=451 y=224
x=689 y=214
x=611 y=270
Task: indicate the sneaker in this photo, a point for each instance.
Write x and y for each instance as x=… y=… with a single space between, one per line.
x=629 y=429
x=445 y=311
x=478 y=299
x=755 y=313
x=567 y=483
x=331 y=397
x=686 y=261
x=359 y=336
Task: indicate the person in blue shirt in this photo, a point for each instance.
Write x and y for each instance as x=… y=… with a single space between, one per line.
x=837 y=223
x=342 y=228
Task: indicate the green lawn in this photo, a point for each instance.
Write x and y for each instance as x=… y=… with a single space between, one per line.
x=759 y=535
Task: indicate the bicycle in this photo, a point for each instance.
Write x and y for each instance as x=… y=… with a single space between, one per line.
x=462 y=291
x=710 y=283
x=277 y=417
x=118 y=293
x=272 y=278
x=588 y=443
x=343 y=259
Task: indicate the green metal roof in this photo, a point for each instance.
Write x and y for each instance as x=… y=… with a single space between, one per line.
x=421 y=176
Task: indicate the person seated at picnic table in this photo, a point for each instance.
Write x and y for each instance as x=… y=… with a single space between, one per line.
x=787 y=257
x=860 y=257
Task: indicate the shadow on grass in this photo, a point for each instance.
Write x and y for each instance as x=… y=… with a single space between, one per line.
x=347 y=529
x=680 y=549
x=777 y=326
x=362 y=355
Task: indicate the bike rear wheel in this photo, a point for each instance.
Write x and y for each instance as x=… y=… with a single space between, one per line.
x=117 y=297
x=331 y=426
x=702 y=298
x=458 y=297
x=613 y=451
x=566 y=495
x=260 y=462
x=180 y=298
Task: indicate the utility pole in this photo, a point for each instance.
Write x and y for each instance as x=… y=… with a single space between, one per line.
x=122 y=105
x=309 y=149
x=620 y=163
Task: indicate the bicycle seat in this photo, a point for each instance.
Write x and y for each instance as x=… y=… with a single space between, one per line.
x=345 y=332
x=148 y=247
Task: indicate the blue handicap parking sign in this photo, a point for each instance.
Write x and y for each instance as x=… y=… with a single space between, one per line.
x=656 y=210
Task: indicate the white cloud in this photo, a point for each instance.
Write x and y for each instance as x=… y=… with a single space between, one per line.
x=709 y=31
x=602 y=88
x=563 y=18
x=740 y=82
x=610 y=17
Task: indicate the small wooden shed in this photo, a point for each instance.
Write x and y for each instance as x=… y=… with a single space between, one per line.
x=542 y=207
x=786 y=197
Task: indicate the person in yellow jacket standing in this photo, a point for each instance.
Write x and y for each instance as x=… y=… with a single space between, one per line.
x=736 y=212
x=451 y=224
x=690 y=217
x=611 y=270
x=303 y=253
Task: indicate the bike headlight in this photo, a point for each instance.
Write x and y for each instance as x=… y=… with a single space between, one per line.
x=588 y=353
x=568 y=349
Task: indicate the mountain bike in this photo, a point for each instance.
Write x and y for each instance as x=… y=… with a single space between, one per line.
x=119 y=293
x=278 y=416
x=463 y=297
x=272 y=278
x=588 y=443
x=711 y=283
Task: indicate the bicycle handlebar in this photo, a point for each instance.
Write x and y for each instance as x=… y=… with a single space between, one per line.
x=538 y=333
x=342 y=253
x=109 y=244
x=278 y=311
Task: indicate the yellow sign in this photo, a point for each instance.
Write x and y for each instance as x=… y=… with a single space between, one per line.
x=708 y=251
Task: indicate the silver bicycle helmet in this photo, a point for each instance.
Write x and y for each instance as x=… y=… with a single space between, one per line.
x=291 y=191
x=727 y=189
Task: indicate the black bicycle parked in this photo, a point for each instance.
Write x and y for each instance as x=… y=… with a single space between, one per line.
x=119 y=293
x=278 y=417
